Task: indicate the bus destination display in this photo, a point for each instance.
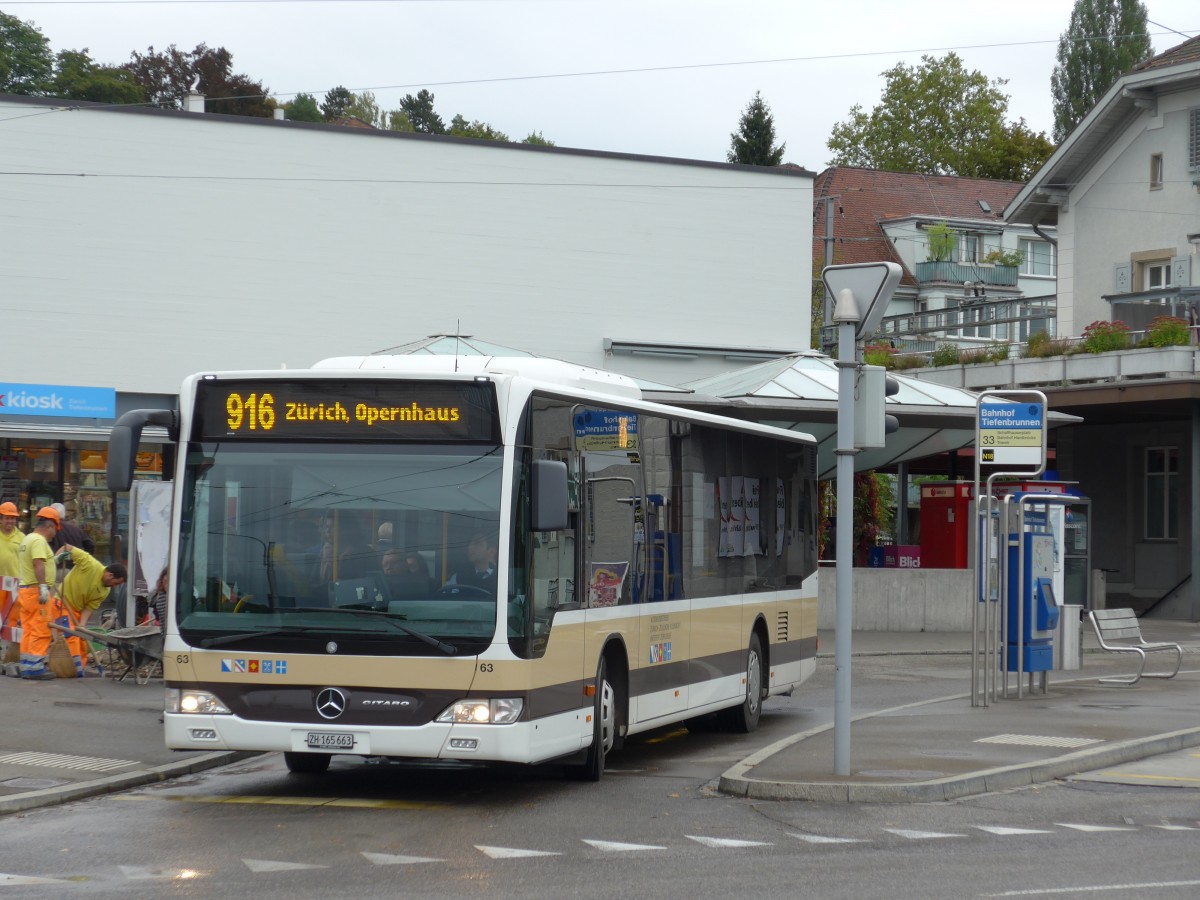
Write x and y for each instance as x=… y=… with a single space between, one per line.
x=345 y=410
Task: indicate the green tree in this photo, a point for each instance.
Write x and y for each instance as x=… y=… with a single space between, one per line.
x=753 y=144
x=1103 y=41
x=460 y=127
x=365 y=107
x=78 y=77
x=938 y=118
x=419 y=110
x=26 y=65
x=398 y=121
x=336 y=101
x=303 y=109
x=168 y=76
x=535 y=137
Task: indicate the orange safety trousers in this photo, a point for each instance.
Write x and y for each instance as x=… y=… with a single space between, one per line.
x=36 y=633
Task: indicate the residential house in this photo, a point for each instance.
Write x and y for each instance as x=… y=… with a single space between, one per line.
x=1123 y=193
x=981 y=280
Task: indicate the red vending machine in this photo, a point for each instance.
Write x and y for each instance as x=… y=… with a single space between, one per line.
x=945 y=524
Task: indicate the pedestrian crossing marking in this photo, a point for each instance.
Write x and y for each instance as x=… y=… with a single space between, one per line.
x=718 y=843
x=618 y=847
x=512 y=852
x=273 y=865
x=66 y=761
x=920 y=835
x=389 y=859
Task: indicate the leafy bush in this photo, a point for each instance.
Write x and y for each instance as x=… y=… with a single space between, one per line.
x=1041 y=344
x=1167 y=331
x=901 y=362
x=945 y=355
x=1102 y=336
x=994 y=352
x=1005 y=257
x=942 y=242
x=878 y=355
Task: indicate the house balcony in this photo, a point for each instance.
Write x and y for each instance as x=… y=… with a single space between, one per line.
x=966 y=273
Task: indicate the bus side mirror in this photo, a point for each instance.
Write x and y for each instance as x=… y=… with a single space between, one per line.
x=123 y=442
x=548 y=495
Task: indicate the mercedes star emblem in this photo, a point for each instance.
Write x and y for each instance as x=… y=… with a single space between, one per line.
x=331 y=647
x=331 y=703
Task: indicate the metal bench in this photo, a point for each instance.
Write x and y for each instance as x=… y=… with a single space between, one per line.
x=1122 y=625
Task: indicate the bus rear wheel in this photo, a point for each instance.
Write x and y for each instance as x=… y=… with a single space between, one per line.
x=744 y=718
x=307 y=763
x=604 y=726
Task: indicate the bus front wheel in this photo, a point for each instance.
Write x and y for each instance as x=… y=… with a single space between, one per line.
x=307 y=763
x=744 y=718
x=604 y=726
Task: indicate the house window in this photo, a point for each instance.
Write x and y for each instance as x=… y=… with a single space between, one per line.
x=1156 y=275
x=968 y=248
x=1162 y=493
x=1156 y=171
x=1194 y=139
x=1037 y=257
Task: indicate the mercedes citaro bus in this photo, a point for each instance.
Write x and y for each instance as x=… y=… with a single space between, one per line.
x=481 y=559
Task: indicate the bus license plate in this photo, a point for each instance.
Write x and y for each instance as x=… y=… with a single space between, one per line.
x=320 y=740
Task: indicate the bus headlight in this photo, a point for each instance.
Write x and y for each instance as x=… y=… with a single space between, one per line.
x=498 y=711
x=197 y=702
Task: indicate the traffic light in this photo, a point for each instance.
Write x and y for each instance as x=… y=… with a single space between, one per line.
x=871 y=423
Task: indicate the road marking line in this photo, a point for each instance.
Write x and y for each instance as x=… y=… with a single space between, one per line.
x=920 y=835
x=618 y=847
x=1094 y=888
x=1093 y=828
x=1176 y=827
x=271 y=865
x=6 y=879
x=388 y=859
x=512 y=852
x=1155 y=777
x=821 y=839
x=725 y=842
x=1001 y=830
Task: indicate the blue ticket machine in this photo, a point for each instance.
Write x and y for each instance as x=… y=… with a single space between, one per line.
x=1032 y=604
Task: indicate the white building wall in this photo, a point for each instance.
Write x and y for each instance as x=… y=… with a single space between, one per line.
x=1114 y=214
x=198 y=243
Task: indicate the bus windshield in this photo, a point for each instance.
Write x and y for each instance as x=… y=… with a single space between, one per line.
x=379 y=549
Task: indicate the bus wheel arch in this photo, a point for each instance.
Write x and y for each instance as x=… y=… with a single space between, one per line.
x=610 y=705
x=744 y=717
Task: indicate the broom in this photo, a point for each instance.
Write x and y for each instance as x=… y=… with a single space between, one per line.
x=60 y=661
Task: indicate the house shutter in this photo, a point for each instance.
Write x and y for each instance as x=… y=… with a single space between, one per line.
x=1194 y=139
x=1181 y=271
x=1122 y=277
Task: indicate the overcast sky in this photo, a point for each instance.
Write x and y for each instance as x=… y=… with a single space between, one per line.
x=662 y=77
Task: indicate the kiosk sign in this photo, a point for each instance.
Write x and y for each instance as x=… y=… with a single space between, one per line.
x=1011 y=434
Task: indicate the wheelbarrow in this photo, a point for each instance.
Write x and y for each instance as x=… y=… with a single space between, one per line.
x=137 y=650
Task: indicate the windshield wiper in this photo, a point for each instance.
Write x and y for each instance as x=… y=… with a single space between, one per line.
x=390 y=618
x=224 y=639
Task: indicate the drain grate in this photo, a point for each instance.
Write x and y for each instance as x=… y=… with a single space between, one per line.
x=1037 y=740
x=64 y=761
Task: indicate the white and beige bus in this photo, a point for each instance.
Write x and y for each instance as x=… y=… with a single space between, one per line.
x=472 y=559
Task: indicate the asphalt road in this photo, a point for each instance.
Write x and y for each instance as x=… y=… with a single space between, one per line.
x=654 y=825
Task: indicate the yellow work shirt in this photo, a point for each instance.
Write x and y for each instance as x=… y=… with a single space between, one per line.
x=34 y=547
x=83 y=588
x=9 y=545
